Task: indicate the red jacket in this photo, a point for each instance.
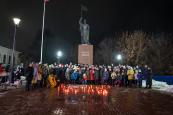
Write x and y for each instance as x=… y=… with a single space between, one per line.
x=92 y=74
x=1 y=70
x=84 y=77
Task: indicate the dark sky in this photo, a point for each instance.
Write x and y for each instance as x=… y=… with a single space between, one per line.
x=105 y=17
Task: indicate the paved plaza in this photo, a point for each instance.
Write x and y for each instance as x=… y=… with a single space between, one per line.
x=86 y=100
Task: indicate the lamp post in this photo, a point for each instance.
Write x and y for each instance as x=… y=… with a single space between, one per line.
x=16 y=23
x=59 y=55
x=42 y=34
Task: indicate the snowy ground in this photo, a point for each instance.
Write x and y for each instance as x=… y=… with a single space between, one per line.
x=158 y=85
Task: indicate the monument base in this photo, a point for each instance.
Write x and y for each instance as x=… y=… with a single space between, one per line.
x=85 y=54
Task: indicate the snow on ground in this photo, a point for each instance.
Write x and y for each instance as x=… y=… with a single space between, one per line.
x=158 y=85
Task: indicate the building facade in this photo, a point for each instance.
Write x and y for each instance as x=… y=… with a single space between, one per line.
x=6 y=55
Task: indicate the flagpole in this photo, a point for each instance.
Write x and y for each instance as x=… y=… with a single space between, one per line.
x=42 y=35
x=81 y=11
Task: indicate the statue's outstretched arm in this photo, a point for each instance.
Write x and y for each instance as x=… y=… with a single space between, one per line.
x=80 y=21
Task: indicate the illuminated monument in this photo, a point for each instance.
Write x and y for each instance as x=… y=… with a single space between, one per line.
x=85 y=50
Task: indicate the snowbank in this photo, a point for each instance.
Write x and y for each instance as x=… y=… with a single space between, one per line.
x=157 y=85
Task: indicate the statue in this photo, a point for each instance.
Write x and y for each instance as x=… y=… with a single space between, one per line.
x=84 y=30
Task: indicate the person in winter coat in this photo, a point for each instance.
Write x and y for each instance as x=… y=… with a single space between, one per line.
x=84 y=80
x=39 y=76
x=88 y=75
x=82 y=71
x=109 y=78
x=124 y=77
x=35 y=75
x=101 y=70
x=96 y=75
x=149 y=79
x=139 y=78
x=45 y=74
x=92 y=75
x=136 y=75
x=29 y=76
x=145 y=72
x=118 y=79
x=130 y=73
x=105 y=76
x=67 y=75
x=51 y=81
x=1 y=70
x=74 y=76
x=113 y=76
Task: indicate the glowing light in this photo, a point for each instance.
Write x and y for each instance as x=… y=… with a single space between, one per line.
x=59 y=54
x=16 y=21
x=90 y=90
x=58 y=111
x=105 y=92
x=119 y=57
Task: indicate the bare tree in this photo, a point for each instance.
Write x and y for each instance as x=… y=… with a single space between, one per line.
x=105 y=52
x=133 y=46
x=138 y=48
x=160 y=51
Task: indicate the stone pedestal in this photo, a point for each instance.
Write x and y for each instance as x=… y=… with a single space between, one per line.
x=85 y=54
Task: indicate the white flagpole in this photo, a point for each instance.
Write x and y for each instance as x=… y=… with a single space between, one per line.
x=81 y=11
x=42 y=36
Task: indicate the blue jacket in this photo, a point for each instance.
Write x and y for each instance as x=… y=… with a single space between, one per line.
x=139 y=75
x=105 y=75
x=74 y=76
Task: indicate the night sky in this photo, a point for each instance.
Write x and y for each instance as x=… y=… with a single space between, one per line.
x=105 y=17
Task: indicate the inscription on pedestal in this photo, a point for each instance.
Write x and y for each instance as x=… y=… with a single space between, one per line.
x=85 y=54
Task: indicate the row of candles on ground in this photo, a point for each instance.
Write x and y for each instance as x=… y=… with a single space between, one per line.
x=85 y=89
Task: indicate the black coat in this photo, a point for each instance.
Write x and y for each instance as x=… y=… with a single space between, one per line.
x=29 y=73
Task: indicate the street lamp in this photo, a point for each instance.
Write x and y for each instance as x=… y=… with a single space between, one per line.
x=59 y=55
x=16 y=23
x=119 y=57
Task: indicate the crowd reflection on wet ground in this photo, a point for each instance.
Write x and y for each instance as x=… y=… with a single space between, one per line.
x=86 y=100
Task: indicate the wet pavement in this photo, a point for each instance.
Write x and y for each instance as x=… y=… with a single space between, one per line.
x=86 y=100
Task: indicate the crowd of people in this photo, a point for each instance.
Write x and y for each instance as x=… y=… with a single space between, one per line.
x=4 y=73
x=44 y=75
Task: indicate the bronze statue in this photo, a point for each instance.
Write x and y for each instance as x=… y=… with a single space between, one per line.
x=84 y=30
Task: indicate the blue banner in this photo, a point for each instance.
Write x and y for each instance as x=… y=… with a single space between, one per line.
x=167 y=79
